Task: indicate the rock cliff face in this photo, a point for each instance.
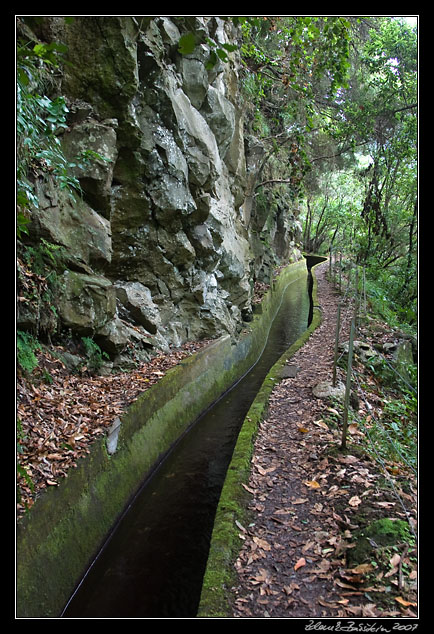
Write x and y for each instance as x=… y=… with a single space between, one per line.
x=166 y=242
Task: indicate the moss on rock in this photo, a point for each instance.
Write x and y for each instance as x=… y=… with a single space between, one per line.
x=382 y=533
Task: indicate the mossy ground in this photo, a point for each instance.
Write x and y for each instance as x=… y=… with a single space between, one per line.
x=381 y=534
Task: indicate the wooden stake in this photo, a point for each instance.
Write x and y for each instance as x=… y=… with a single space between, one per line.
x=347 y=388
x=335 y=360
x=356 y=298
x=364 y=292
x=350 y=270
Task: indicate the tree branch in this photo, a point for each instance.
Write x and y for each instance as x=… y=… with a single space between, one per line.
x=345 y=149
x=272 y=180
x=411 y=107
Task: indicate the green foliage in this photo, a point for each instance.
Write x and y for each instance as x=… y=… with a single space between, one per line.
x=300 y=53
x=26 y=348
x=395 y=435
x=44 y=258
x=369 y=134
x=40 y=119
x=22 y=219
x=387 y=297
x=188 y=42
x=291 y=65
x=38 y=281
x=94 y=355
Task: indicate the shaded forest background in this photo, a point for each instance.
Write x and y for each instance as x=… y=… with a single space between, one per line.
x=339 y=97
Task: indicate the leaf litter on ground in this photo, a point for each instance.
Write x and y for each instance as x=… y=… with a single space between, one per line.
x=58 y=420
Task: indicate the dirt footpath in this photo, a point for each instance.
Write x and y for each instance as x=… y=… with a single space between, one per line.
x=308 y=499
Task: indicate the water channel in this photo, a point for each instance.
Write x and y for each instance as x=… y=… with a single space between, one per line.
x=152 y=564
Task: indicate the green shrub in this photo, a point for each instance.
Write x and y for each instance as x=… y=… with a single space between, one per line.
x=26 y=347
x=94 y=355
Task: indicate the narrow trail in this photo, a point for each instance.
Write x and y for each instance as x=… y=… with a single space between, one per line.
x=292 y=563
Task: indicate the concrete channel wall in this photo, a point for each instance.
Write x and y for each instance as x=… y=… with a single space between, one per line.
x=66 y=527
x=215 y=601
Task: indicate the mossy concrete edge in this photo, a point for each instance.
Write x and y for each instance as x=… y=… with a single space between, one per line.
x=67 y=525
x=220 y=576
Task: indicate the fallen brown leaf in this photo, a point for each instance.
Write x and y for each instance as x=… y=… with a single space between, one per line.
x=263 y=471
x=362 y=569
x=313 y=484
x=348 y=459
x=405 y=603
x=327 y=604
x=261 y=577
x=321 y=423
x=300 y=563
x=369 y=610
x=307 y=546
x=262 y=543
x=300 y=500
x=355 y=501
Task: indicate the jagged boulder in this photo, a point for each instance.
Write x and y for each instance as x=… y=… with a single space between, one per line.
x=137 y=299
x=85 y=234
x=116 y=335
x=86 y=302
x=91 y=146
x=219 y=113
x=195 y=80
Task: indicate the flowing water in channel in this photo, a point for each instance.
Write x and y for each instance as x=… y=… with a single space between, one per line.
x=153 y=563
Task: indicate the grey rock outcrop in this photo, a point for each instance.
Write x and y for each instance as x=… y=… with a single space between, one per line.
x=160 y=240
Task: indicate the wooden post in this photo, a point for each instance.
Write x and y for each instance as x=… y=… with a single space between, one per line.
x=364 y=292
x=340 y=271
x=356 y=298
x=347 y=388
x=330 y=265
x=335 y=360
x=335 y=263
x=350 y=269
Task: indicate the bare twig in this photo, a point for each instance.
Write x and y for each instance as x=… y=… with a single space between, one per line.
x=272 y=180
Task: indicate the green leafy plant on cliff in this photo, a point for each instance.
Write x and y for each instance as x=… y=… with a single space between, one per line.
x=40 y=119
x=39 y=270
x=190 y=40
